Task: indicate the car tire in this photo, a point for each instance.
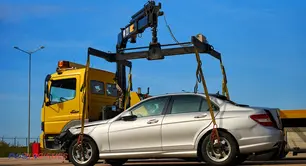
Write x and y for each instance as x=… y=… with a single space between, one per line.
x=230 y=158
x=115 y=162
x=94 y=155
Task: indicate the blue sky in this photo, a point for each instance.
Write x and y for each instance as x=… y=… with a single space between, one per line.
x=262 y=43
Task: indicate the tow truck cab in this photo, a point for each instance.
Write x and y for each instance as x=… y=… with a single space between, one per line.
x=63 y=99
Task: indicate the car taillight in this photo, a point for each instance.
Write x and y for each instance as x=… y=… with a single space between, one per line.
x=262 y=119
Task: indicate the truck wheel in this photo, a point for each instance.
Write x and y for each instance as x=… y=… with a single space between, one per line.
x=91 y=155
x=217 y=157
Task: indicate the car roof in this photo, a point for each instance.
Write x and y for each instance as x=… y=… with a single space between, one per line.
x=189 y=93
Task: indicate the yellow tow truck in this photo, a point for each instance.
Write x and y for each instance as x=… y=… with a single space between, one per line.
x=295 y=130
x=63 y=99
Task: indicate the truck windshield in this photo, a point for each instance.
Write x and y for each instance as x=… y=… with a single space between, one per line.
x=62 y=90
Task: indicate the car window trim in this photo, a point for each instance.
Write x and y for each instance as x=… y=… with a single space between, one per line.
x=203 y=99
x=168 y=111
x=168 y=104
x=212 y=102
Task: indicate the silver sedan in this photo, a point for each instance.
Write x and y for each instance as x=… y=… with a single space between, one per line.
x=178 y=126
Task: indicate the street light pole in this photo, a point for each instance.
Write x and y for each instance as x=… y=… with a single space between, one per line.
x=29 y=102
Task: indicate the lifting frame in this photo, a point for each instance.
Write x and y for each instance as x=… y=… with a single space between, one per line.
x=147 y=17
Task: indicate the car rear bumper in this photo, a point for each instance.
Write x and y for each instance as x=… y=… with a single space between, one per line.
x=262 y=144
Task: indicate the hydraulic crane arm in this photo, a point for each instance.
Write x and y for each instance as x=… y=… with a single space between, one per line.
x=110 y=57
x=144 y=18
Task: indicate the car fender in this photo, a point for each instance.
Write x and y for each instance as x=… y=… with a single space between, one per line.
x=87 y=130
x=71 y=124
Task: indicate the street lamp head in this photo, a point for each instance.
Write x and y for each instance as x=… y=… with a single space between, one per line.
x=29 y=52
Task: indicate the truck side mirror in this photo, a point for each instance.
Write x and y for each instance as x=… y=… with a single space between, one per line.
x=46 y=90
x=48 y=103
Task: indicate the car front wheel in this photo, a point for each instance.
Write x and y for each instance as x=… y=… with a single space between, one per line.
x=90 y=152
x=223 y=154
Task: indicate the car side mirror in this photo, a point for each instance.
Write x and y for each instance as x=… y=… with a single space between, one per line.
x=128 y=117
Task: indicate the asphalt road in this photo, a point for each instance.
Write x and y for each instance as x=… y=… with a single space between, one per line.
x=49 y=162
x=299 y=160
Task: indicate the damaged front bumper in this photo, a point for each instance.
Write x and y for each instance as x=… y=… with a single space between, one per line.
x=64 y=139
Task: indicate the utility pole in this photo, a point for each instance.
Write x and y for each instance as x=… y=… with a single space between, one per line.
x=29 y=102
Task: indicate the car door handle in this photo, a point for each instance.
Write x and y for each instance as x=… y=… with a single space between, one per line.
x=74 y=111
x=152 y=121
x=200 y=116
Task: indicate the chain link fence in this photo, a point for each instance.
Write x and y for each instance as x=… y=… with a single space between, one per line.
x=18 y=141
x=10 y=146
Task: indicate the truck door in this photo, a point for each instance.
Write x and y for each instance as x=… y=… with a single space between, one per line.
x=64 y=97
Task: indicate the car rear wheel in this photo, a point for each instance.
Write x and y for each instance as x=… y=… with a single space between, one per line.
x=90 y=152
x=225 y=154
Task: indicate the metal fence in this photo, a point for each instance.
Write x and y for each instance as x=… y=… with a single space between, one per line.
x=18 y=141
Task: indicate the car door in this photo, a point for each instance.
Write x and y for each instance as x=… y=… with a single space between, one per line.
x=187 y=116
x=143 y=133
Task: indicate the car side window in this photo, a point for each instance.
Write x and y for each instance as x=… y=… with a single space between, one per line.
x=152 y=107
x=205 y=107
x=186 y=104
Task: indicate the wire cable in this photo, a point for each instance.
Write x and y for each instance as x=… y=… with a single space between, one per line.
x=171 y=33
